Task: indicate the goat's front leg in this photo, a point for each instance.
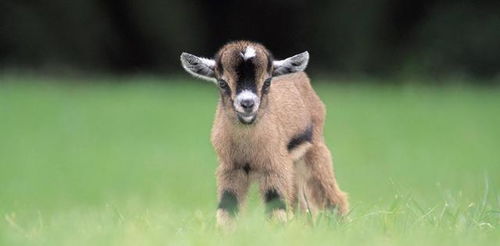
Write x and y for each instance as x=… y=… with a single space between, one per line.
x=232 y=186
x=277 y=189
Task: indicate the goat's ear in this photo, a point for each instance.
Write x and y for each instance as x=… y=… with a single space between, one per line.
x=296 y=63
x=197 y=66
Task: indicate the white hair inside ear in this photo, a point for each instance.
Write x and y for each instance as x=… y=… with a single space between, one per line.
x=296 y=63
x=200 y=67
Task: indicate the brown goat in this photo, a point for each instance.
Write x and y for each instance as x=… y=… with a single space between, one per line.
x=268 y=127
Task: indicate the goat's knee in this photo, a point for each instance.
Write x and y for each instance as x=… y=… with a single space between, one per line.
x=232 y=188
x=277 y=193
x=227 y=208
x=274 y=201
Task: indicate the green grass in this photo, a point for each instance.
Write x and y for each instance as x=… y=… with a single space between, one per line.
x=130 y=163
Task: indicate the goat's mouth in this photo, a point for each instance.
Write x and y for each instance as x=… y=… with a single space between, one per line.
x=246 y=118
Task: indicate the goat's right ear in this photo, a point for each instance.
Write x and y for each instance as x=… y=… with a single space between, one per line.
x=200 y=67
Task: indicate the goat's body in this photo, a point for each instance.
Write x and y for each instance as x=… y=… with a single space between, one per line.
x=268 y=128
x=284 y=150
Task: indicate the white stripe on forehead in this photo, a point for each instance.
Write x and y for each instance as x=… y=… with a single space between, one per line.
x=249 y=53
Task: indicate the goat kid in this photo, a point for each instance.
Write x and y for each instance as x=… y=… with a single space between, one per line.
x=268 y=128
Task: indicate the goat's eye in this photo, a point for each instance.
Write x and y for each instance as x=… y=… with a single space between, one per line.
x=267 y=83
x=222 y=84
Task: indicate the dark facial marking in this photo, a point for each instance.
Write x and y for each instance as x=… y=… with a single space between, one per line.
x=246 y=76
x=229 y=203
x=301 y=138
x=273 y=201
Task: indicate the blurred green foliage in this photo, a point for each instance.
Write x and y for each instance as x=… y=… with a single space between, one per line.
x=378 y=37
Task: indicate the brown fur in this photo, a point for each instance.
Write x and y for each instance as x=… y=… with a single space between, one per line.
x=258 y=152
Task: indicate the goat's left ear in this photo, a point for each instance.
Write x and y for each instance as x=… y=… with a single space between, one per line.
x=296 y=63
x=203 y=68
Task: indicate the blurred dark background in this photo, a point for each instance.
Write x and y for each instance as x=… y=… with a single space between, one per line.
x=376 y=38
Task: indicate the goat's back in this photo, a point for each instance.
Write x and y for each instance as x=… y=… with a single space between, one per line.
x=295 y=104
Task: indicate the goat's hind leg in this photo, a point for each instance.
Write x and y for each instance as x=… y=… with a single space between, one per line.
x=302 y=175
x=322 y=185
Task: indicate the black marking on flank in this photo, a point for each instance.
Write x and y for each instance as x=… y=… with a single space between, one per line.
x=301 y=138
x=229 y=203
x=273 y=201
x=246 y=168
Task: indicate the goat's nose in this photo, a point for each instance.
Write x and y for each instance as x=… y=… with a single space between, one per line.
x=247 y=104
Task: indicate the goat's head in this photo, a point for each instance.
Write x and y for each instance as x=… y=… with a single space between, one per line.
x=243 y=72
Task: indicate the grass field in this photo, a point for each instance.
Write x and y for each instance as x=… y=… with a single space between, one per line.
x=130 y=163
